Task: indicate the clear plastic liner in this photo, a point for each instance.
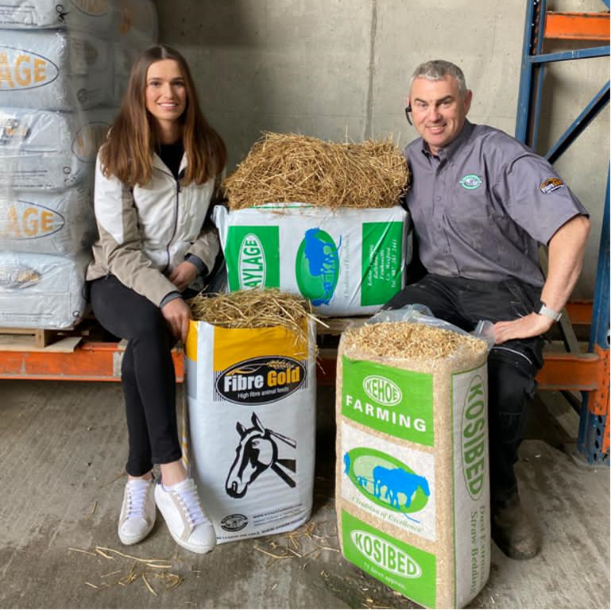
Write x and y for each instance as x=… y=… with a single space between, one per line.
x=423 y=315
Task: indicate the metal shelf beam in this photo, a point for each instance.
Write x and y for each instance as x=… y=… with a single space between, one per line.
x=577 y=369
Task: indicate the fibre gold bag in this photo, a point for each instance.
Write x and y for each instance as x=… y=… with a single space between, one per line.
x=252 y=405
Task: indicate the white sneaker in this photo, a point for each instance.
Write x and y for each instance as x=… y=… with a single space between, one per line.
x=138 y=511
x=188 y=524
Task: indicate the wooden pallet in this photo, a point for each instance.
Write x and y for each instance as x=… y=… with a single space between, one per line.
x=41 y=339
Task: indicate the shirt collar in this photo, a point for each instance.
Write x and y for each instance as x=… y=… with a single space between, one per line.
x=448 y=151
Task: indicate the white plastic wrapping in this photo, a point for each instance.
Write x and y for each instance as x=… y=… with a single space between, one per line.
x=105 y=18
x=54 y=70
x=41 y=290
x=41 y=149
x=47 y=223
x=58 y=97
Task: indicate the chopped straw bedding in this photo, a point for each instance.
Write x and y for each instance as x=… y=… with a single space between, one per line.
x=285 y=168
x=408 y=340
x=442 y=353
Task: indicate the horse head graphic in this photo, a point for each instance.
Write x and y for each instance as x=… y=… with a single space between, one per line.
x=257 y=452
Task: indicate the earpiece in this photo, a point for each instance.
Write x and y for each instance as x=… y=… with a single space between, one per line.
x=407 y=111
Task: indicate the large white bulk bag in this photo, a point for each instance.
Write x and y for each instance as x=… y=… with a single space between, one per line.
x=49 y=150
x=135 y=21
x=252 y=409
x=54 y=70
x=89 y=15
x=41 y=291
x=346 y=261
x=47 y=223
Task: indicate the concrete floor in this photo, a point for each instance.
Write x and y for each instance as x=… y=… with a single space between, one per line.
x=62 y=449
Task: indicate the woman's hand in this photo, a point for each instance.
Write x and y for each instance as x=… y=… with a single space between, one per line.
x=177 y=314
x=183 y=275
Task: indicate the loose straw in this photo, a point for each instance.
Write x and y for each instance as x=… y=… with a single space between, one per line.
x=257 y=308
x=284 y=168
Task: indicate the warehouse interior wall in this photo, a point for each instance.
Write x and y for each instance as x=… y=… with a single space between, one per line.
x=340 y=69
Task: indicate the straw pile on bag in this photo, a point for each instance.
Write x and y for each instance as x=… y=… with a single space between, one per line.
x=251 y=394
x=412 y=470
x=258 y=308
x=284 y=168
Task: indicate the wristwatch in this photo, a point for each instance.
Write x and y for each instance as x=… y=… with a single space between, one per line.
x=543 y=310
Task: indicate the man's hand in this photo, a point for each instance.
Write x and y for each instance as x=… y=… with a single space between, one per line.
x=531 y=325
x=177 y=315
x=183 y=275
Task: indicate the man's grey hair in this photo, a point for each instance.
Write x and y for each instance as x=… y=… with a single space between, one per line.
x=438 y=69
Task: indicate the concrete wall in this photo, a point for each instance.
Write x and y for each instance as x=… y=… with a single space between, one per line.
x=340 y=68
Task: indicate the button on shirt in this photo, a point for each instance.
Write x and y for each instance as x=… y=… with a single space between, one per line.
x=483 y=204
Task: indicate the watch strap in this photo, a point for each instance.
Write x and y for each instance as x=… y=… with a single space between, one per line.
x=544 y=310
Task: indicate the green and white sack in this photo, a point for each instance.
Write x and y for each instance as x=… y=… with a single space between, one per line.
x=252 y=416
x=412 y=459
x=346 y=261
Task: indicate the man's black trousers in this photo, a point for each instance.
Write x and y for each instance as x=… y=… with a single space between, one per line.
x=147 y=372
x=512 y=366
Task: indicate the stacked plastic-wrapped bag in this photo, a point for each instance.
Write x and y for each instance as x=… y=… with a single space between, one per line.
x=63 y=70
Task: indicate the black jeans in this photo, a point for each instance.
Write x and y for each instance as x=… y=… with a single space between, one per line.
x=147 y=372
x=512 y=366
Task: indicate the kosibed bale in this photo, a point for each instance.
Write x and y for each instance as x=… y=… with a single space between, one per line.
x=412 y=467
x=251 y=395
x=285 y=168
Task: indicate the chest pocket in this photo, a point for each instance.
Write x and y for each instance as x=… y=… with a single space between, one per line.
x=472 y=219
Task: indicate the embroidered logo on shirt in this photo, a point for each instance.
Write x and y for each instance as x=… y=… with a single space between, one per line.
x=550 y=185
x=471 y=182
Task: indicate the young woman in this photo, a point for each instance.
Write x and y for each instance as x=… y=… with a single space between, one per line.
x=155 y=176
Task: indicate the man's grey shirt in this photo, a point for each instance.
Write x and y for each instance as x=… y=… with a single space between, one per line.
x=483 y=204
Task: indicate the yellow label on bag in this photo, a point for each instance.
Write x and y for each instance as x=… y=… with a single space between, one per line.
x=233 y=345
x=258 y=366
x=191 y=346
x=252 y=365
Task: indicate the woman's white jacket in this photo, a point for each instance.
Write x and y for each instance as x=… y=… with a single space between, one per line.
x=145 y=231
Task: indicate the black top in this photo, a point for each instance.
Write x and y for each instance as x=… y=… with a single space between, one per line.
x=171 y=155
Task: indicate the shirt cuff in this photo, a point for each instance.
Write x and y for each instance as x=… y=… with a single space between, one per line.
x=170 y=297
x=198 y=262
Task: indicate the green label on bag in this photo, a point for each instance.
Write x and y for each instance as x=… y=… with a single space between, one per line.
x=402 y=567
x=390 y=400
x=381 y=261
x=252 y=255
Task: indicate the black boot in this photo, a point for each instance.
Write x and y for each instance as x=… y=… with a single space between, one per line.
x=513 y=530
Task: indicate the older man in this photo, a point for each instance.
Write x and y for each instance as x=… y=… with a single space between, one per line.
x=481 y=203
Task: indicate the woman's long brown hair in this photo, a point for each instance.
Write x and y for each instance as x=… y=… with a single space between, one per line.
x=128 y=150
